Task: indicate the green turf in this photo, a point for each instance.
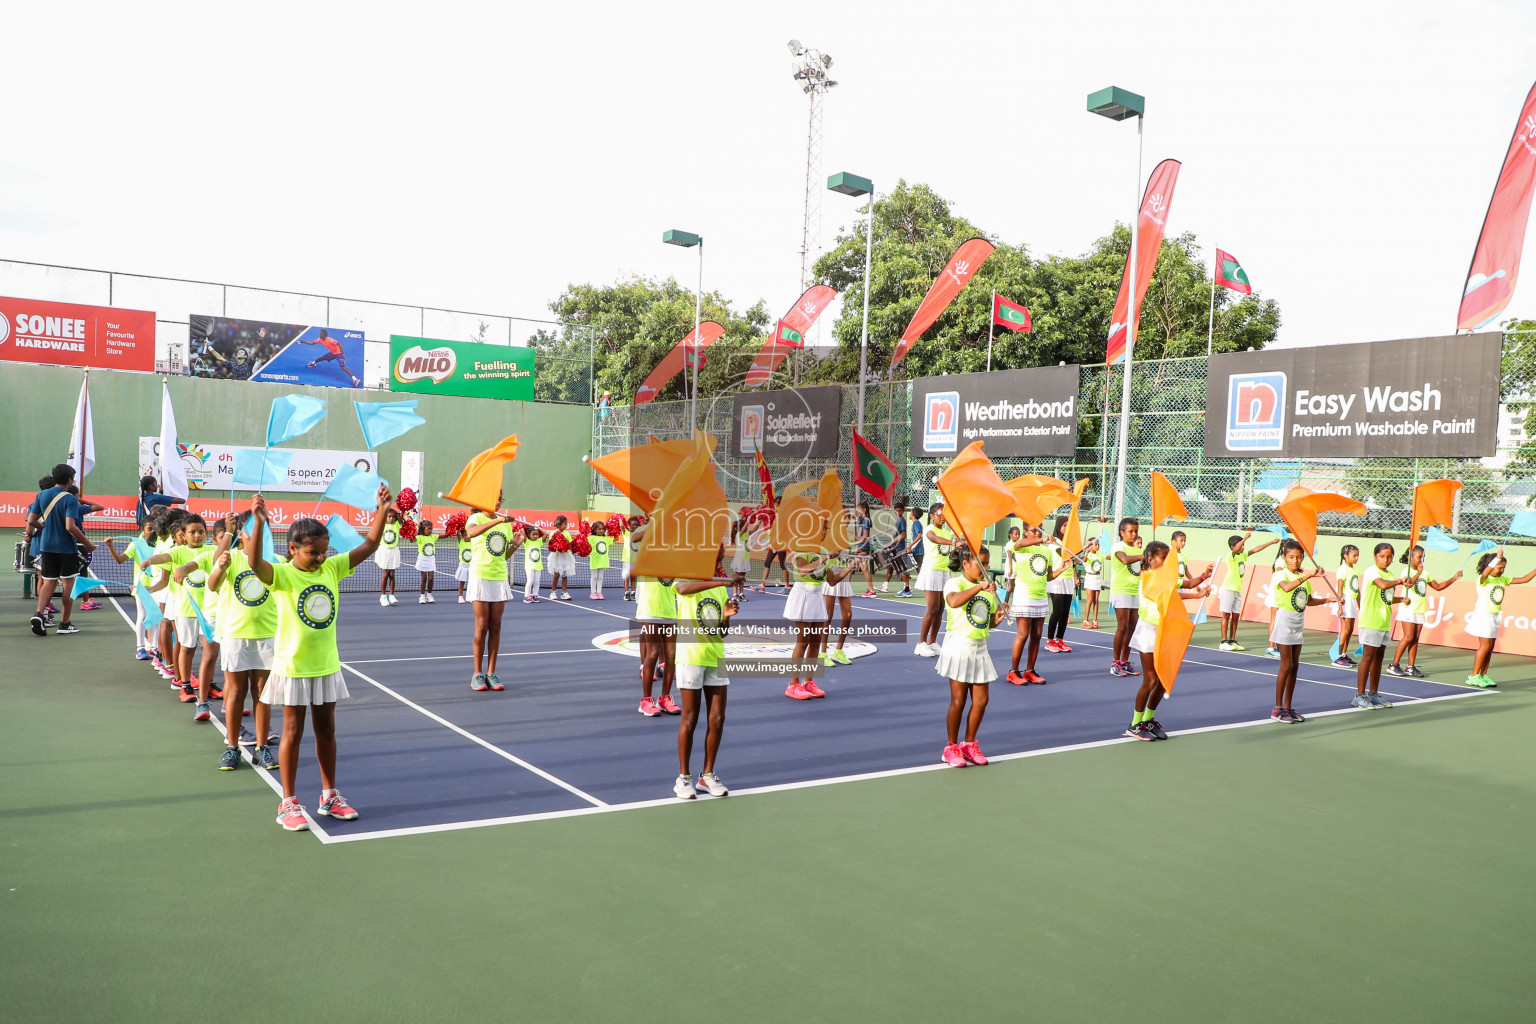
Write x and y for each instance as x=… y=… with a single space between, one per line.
x=1366 y=867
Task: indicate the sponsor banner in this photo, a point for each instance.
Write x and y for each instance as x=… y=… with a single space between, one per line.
x=211 y=467
x=1422 y=397
x=800 y=423
x=274 y=353
x=1015 y=412
x=469 y=368
x=64 y=334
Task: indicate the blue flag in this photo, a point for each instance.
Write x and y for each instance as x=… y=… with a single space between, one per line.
x=1436 y=539
x=258 y=467
x=84 y=583
x=353 y=486
x=1200 y=618
x=1282 y=531
x=385 y=421
x=153 y=616
x=1483 y=546
x=343 y=537
x=143 y=548
x=268 y=551
x=202 y=621
x=1524 y=524
x=291 y=416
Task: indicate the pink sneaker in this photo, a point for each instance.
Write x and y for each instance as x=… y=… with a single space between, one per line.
x=336 y=807
x=869 y=593
x=954 y=756
x=667 y=704
x=811 y=688
x=598 y=597
x=973 y=753
x=290 y=815
x=796 y=691
x=649 y=708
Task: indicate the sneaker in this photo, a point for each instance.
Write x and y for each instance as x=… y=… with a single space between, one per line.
x=52 y=609
x=1413 y=672
x=683 y=787
x=202 y=713
x=841 y=658
x=431 y=599
x=141 y=655
x=954 y=756
x=1049 y=645
x=1117 y=668
x=868 y=593
x=357 y=382
x=230 y=759
x=906 y=592
x=1016 y=678
x=265 y=758
x=1062 y=648
x=1272 y=652
x=1342 y=663
x=188 y=695
x=1352 y=662
x=1138 y=731
x=1295 y=717
x=1394 y=670
x=1278 y=715
x=1378 y=700
x=1235 y=646
x=67 y=629
x=214 y=693
x=1034 y=677
x=478 y=683
x=530 y=600
x=1359 y=701
x=89 y=604
x=1225 y=645
x=667 y=704
x=383 y=600
x=648 y=707
x=247 y=738
x=38 y=626
x=335 y=806
x=884 y=588
x=493 y=681
x=461 y=599
x=710 y=783
x=796 y=691
x=972 y=753
x=392 y=601
x=922 y=650
x=422 y=599
x=1129 y=669
x=811 y=688
x=565 y=597
x=1155 y=728
x=290 y=815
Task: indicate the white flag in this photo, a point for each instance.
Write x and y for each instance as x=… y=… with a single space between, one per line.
x=82 y=439
x=173 y=475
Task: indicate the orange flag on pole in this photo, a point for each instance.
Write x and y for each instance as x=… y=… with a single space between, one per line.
x=829 y=498
x=975 y=497
x=1166 y=502
x=1433 y=505
x=641 y=473
x=797 y=526
x=1299 y=512
x=689 y=521
x=1161 y=587
x=1072 y=539
x=1038 y=496
x=479 y=484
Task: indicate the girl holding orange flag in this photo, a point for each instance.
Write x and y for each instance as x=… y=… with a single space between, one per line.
x=1144 y=724
x=1291 y=594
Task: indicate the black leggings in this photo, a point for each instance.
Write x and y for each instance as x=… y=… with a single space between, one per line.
x=1061 y=610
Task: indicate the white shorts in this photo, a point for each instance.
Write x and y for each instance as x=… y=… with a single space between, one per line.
x=461 y=574
x=965 y=660
x=1144 y=640
x=188 y=632
x=487 y=590
x=1231 y=601
x=932 y=579
x=1093 y=583
x=696 y=677
x=240 y=655
x=843 y=589
x=295 y=692
x=1375 y=637
x=1028 y=607
x=1130 y=601
x=160 y=596
x=1288 y=628
x=1062 y=585
x=387 y=558
x=426 y=564
x=1483 y=625
x=1351 y=610
x=1411 y=618
x=805 y=603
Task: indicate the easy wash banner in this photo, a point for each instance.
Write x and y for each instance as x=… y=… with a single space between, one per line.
x=1421 y=397
x=472 y=369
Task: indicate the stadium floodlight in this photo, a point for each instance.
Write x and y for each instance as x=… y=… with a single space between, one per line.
x=853 y=185
x=795 y=47
x=688 y=240
x=1116 y=104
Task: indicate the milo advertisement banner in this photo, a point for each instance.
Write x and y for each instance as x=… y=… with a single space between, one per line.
x=469 y=368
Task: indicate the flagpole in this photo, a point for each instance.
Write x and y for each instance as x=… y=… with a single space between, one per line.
x=1132 y=317
x=1210 y=328
x=869 y=249
x=991 y=324
x=85 y=419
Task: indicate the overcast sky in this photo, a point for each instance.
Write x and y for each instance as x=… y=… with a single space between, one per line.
x=484 y=156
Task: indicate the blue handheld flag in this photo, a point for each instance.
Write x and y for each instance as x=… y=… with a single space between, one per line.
x=1436 y=539
x=355 y=487
x=258 y=467
x=385 y=421
x=343 y=537
x=84 y=583
x=291 y=416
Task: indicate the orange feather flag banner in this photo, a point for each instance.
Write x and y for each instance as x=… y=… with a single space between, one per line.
x=1299 y=512
x=975 y=497
x=479 y=485
x=1433 y=505
x=1072 y=539
x=1166 y=502
x=1036 y=497
x=689 y=521
x=641 y=473
x=798 y=523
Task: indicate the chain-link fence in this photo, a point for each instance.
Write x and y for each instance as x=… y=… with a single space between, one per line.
x=1167 y=433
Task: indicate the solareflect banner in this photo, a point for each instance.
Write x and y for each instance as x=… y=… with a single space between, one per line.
x=65 y=334
x=472 y=369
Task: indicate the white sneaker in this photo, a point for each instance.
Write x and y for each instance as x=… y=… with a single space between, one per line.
x=431 y=599
x=383 y=600
x=927 y=650
x=683 y=787
x=711 y=784
x=884 y=588
x=392 y=600
x=461 y=599
x=1225 y=645
x=422 y=599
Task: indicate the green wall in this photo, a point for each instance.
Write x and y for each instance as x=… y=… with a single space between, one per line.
x=37 y=407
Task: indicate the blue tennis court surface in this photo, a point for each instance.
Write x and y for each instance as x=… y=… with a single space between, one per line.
x=419 y=751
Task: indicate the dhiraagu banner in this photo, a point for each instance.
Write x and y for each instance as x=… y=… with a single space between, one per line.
x=472 y=369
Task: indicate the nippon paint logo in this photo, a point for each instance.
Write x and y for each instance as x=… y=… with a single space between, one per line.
x=417 y=363
x=941 y=421
x=752 y=417
x=1256 y=411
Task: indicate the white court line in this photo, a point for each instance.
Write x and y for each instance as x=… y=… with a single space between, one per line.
x=453 y=657
x=493 y=748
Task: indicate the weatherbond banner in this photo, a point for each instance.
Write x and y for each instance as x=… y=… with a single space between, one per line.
x=1422 y=397
x=427 y=366
x=211 y=467
x=1015 y=412
x=274 y=353
x=800 y=423
x=64 y=334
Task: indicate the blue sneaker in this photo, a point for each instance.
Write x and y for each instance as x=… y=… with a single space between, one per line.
x=266 y=759
x=141 y=654
x=203 y=713
x=230 y=759
x=1271 y=652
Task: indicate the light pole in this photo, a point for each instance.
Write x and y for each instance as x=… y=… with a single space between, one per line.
x=1118 y=105
x=853 y=185
x=689 y=240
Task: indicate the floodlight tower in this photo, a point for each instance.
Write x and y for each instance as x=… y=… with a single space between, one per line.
x=809 y=68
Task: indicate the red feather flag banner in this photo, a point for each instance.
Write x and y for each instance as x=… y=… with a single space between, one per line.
x=1150 y=226
x=675 y=361
x=955 y=276
x=1434 y=504
x=1496 y=260
x=975 y=497
x=799 y=319
x=1299 y=512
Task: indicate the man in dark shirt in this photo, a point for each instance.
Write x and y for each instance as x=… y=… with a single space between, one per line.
x=55 y=518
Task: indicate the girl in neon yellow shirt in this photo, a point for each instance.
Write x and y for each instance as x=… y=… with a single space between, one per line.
x=1412 y=613
x=1144 y=724
x=1483 y=623
x=972 y=610
x=1349 y=602
x=1377 y=596
x=1291 y=595
x=1125 y=594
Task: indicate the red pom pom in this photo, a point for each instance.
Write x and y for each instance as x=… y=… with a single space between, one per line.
x=616 y=525
x=405 y=501
x=454 y=524
x=584 y=527
x=557 y=542
x=582 y=546
x=408 y=530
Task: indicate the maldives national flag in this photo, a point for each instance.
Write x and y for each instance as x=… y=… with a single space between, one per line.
x=872 y=471
x=1009 y=315
x=765 y=478
x=787 y=336
x=1230 y=273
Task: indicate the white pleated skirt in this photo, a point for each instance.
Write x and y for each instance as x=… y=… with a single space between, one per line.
x=965 y=660
x=805 y=603
x=387 y=558
x=292 y=691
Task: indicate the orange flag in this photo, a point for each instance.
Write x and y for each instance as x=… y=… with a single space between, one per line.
x=1072 y=539
x=1166 y=502
x=1161 y=587
x=1036 y=497
x=829 y=498
x=975 y=497
x=797 y=526
x=1433 y=503
x=689 y=521
x=641 y=473
x=480 y=483
x=1299 y=512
